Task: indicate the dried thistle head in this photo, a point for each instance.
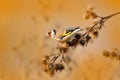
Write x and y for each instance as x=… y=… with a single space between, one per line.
x=78 y=36
x=88 y=38
x=86 y=16
x=118 y=58
x=85 y=40
x=51 y=72
x=95 y=34
x=90 y=13
x=74 y=42
x=82 y=42
x=53 y=63
x=46 y=57
x=62 y=49
x=90 y=7
x=59 y=67
x=106 y=53
x=44 y=62
x=53 y=68
x=112 y=54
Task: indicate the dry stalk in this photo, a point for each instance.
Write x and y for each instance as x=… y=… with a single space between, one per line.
x=50 y=64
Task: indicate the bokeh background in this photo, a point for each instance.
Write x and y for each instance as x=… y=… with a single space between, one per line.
x=24 y=23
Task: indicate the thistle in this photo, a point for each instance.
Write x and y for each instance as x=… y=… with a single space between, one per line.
x=73 y=37
x=113 y=54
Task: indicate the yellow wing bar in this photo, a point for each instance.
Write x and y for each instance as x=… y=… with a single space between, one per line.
x=66 y=34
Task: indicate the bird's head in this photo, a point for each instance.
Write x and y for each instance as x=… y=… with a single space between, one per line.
x=51 y=33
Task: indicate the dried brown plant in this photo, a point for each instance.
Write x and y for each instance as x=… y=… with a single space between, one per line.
x=113 y=54
x=57 y=62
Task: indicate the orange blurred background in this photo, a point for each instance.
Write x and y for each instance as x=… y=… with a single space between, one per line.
x=24 y=23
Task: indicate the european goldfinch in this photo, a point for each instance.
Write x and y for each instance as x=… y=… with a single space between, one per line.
x=65 y=36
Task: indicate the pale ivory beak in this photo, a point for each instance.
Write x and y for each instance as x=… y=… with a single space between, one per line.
x=47 y=34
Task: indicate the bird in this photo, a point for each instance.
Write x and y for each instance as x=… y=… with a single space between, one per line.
x=66 y=35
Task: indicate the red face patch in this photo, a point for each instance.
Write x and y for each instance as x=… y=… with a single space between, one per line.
x=49 y=33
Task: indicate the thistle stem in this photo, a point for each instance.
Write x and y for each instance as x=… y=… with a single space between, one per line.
x=108 y=17
x=55 y=58
x=103 y=19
